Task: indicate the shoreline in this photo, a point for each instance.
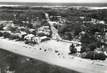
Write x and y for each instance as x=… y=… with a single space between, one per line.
x=90 y=7
x=73 y=63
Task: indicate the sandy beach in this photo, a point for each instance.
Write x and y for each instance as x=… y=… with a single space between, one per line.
x=46 y=52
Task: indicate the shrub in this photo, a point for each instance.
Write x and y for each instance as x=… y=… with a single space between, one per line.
x=90 y=55
x=6 y=34
x=83 y=49
x=95 y=56
x=92 y=46
x=100 y=56
x=1 y=26
x=1 y=34
x=12 y=37
x=72 y=49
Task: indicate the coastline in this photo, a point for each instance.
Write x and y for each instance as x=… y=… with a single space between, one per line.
x=72 y=63
x=89 y=7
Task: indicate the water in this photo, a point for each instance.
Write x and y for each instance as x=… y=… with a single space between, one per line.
x=21 y=65
x=55 y=4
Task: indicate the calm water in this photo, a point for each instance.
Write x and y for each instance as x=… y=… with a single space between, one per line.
x=21 y=65
x=55 y=4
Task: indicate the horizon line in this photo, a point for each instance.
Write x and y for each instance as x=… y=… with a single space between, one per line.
x=56 y=2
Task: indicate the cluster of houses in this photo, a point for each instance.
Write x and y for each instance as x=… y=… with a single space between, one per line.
x=37 y=33
x=43 y=32
x=92 y=20
x=12 y=31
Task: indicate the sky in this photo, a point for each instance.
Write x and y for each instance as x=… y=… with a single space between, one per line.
x=58 y=1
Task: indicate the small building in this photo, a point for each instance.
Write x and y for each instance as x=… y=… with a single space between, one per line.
x=45 y=30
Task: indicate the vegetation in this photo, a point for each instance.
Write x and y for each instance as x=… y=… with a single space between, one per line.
x=76 y=24
x=95 y=56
